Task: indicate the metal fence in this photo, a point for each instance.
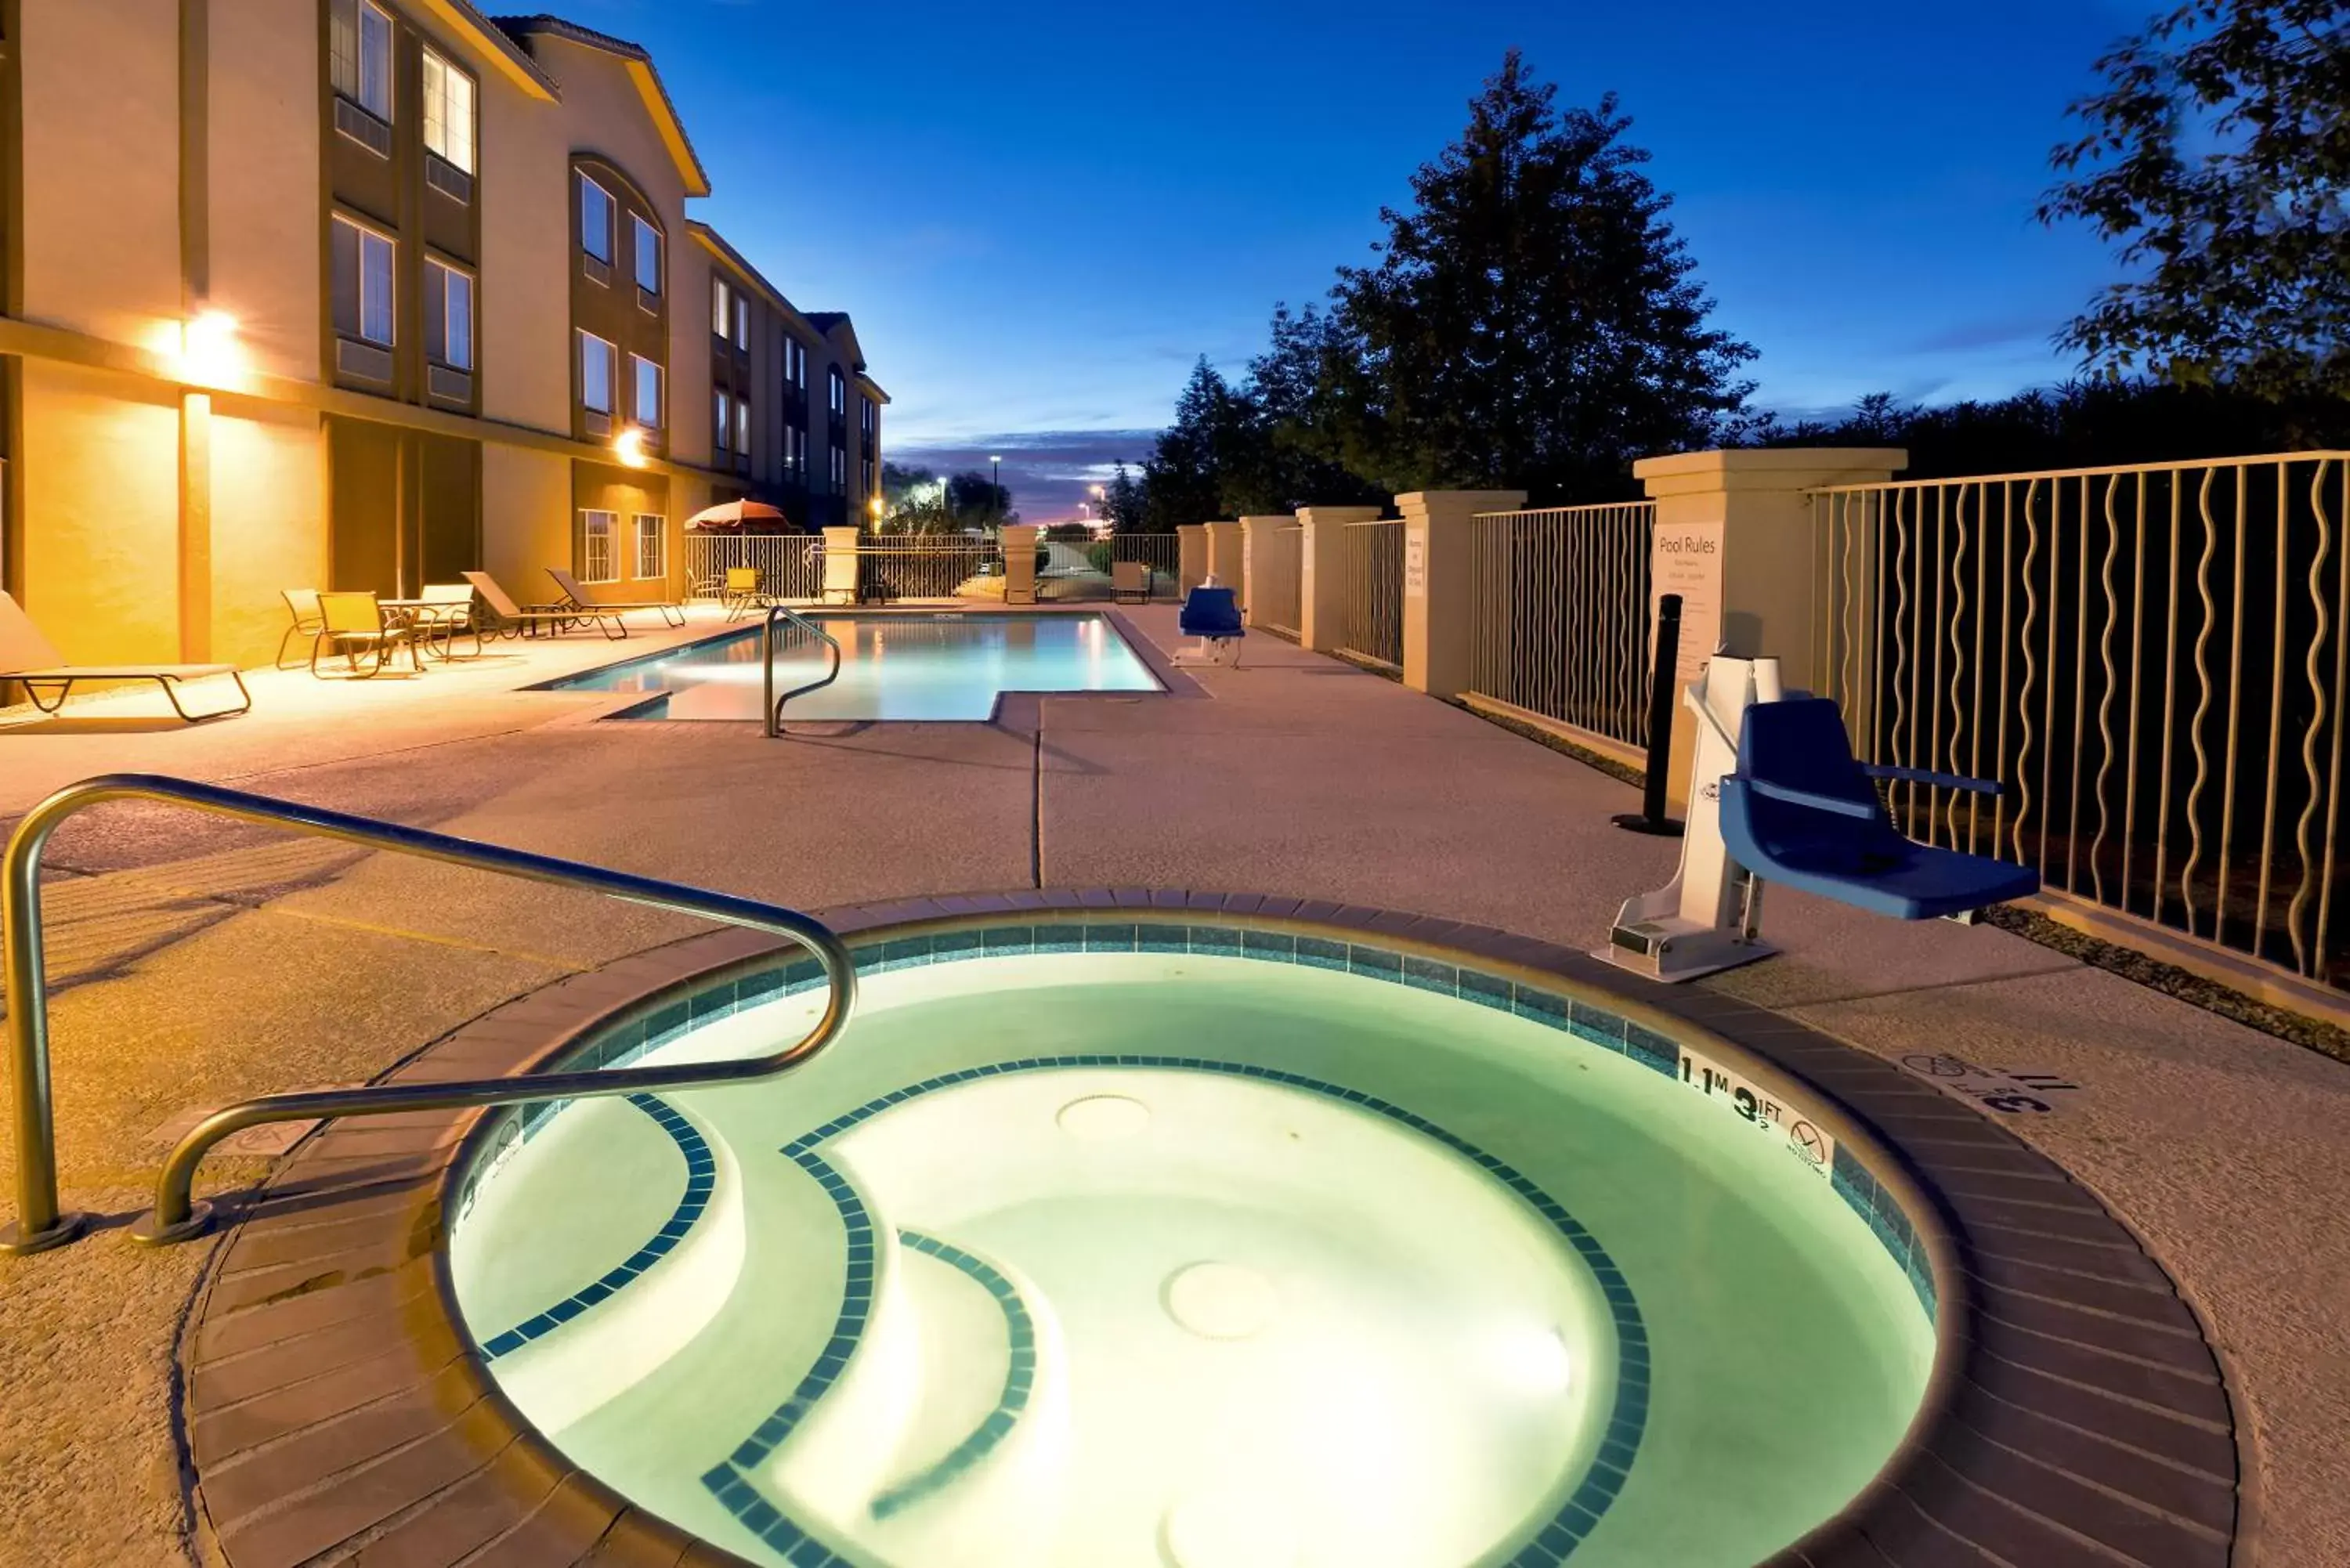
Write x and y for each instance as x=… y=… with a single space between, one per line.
x=790 y=565
x=1374 y=626
x=1274 y=566
x=2151 y=658
x=911 y=567
x=1559 y=615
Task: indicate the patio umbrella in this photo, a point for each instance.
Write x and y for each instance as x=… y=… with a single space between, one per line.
x=734 y=515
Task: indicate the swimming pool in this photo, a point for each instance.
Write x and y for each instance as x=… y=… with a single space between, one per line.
x=1185 y=1246
x=896 y=665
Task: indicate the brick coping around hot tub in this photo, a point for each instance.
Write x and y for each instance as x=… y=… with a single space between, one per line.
x=2075 y=1414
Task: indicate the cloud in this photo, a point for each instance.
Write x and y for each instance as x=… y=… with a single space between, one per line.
x=1993 y=332
x=1049 y=472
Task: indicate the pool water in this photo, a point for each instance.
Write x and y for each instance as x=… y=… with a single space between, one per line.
x=1152 y=1260
x=893 y=666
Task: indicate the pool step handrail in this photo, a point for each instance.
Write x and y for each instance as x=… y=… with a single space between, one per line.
x=39 y=1225
x=774 y=704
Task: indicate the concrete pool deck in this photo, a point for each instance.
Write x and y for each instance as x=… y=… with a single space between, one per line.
x=190 y=954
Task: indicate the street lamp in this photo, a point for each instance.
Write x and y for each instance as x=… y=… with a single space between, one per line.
x=995 y=492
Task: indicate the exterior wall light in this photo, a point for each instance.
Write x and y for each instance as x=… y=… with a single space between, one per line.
x=628 y=446
x=204 y=348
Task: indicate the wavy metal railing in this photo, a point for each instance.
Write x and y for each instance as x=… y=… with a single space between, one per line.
x=1559 y=614
x=40 y=1224
x=1374 y=562
x=773 y=705
x=2154 y=655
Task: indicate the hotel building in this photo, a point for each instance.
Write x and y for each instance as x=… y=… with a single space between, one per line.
x=359 y=294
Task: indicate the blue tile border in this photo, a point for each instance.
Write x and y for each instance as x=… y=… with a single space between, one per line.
x=1019 y=1378
x=1552 y=1544
x=700 y=1178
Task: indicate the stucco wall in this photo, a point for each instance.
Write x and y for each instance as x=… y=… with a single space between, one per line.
x=269 y=525
x=101 y=166
x=525 y=518
x=524 y=311
x=101 y=487
x=264 y=180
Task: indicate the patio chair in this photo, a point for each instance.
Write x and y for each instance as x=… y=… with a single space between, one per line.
x=366 y=635
x=33 y=661
x=445 y=612
x=1130 y=582
x=1800 y=811
x=1211 y=615
x=575 y=597
x=518 y=620
x=740 y=595
x=302 y=604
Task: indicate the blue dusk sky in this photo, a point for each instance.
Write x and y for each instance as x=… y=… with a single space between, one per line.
x=1041 y=215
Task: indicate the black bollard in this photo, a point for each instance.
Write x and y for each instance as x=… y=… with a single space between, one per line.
x=1651 y=817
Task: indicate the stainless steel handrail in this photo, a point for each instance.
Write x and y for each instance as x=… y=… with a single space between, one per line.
x=39 y=1225
x=774 y=704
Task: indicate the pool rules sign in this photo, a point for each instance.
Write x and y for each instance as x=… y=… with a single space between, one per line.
x=1685 y=558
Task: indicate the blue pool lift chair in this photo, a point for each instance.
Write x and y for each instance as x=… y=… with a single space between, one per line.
x=1801 y=812
x=1213 y=615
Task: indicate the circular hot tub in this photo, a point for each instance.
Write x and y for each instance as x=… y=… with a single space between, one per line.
x=1120 y=1245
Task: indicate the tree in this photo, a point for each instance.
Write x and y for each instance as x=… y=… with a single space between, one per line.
x=1123 y=503
x=2216 y=158
x=976 y=501
x=1182 y=477
x=1532 y=321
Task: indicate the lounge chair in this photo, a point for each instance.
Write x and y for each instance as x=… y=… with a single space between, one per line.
x=302 y=604
x=366 y=635
x=1130 y=582
x=1211 y=615
x=1800 y=811
x=518 y=620
x=575 y=597
x=33 y=661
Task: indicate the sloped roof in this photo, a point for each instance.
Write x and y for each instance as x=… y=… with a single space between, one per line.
x=648 y=85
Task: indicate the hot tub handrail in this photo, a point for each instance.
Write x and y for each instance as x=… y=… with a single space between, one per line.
x=39 y=1225
x=774 y=704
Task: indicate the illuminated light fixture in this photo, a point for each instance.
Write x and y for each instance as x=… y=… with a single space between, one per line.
x=205 y=348
x=1531 y=1359
x=628 y=446
x=876 y=504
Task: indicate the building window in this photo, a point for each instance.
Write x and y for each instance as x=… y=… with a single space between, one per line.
x=595 y=220
x=449 y=314
x=647 y=378
x=839 y=393
x=652 y=546
x=648 y=254
x=363 y=285
x=795 y=452
x=742 y=426
x=839 y=470
x=596 y=371
x=362 y=49
x=742 y=321
x=722 y=419
x=722 y=307
x=448 y=112
x=796 y=365
x=599 y=546
x=869 y=478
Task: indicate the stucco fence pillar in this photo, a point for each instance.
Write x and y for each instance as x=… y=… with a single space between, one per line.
x=1733 y=538
x=840 y=566
x=1322 y=572
x=1190 y=555
x=1258 y=536
x=1437 y=634
x=1225 y=563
